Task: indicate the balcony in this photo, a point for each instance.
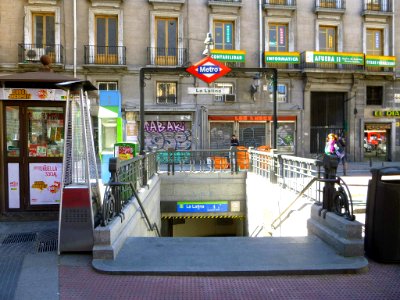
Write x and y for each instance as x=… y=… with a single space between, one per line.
x=378 y=7
x=31 y=53
x=330 y=6
x=166 y=56
x=105 y=55
x=280 y=3
x=283 y=7
x=228 y=2
x=225 y=6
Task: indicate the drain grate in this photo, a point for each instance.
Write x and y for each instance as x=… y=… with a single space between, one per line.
x=16 y=238
x=47 y=246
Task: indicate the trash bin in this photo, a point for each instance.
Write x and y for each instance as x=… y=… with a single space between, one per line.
x=382 y=220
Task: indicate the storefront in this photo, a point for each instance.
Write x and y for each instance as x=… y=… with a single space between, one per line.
x=252 y=131
x=163 y=132
x=381 y=134
x=32 y=110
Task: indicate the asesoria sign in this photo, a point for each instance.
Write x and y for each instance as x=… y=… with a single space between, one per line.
x=208 y=69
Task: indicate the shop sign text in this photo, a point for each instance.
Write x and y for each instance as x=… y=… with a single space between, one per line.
x=162 y=126
x=386 y=113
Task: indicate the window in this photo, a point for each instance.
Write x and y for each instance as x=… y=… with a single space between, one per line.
x=278 y=37
x=327 y=39
x=166 y=41
x=223 y=35
x=106 y=39
x=43 y=30
x=281 y=93
x=224 y=97
x=45 y=131
x=374 y=95
x=42 y=33
x=108 y=85
x=374 y=41
x=108 y=134
x=12 y=131
x=166 y=93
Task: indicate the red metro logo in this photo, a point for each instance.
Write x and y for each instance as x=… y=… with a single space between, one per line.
x=208 y=69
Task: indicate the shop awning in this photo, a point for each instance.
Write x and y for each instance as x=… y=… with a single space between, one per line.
x=42 y=79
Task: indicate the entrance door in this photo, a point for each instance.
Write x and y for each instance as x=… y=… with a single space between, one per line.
x=377 y=141
x=327 y=116
x=34 y=146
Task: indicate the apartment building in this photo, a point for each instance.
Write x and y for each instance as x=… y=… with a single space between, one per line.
x=336 y=63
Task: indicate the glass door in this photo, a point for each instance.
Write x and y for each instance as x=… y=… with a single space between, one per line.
x=34 y=151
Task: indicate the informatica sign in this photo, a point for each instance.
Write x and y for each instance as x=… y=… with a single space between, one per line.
x=282 y=57
x=335 y=58
x=202 y=207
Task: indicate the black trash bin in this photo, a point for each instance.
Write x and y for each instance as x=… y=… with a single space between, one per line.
x=382 y=221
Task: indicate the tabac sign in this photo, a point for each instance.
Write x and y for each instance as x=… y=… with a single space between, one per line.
x=208 y=69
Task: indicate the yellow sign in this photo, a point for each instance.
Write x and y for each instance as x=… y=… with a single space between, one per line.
x=19 y=94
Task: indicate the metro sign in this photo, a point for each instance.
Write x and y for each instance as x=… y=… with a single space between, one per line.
x=208 y=69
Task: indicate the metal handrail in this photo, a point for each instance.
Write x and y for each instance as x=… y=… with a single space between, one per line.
x=153 y=226
x=348 y=201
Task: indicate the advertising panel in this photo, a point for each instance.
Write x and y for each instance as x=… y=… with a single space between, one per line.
x=13 y=185
x=45 y=183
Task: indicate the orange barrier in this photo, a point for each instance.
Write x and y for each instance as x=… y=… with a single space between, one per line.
x=266 y=148
x=220 y=162
x=242 y=157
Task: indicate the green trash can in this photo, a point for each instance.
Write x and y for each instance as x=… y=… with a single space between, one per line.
x=382 y=220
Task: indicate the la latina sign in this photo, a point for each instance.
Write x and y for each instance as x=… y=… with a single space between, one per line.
x=208 y=69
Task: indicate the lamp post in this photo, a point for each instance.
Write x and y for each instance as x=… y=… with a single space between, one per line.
x=209 y=41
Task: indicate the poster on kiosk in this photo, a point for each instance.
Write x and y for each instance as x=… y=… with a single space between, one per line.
x=125 y=151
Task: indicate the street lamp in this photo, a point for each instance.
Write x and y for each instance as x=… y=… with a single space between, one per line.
x=255 y=85
x=209 y=41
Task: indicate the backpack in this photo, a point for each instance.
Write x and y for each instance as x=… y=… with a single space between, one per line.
x=340 y=151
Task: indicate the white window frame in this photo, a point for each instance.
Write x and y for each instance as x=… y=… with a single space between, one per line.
x=339 y=33
x=230 y=85
x=289 y=22
x=234 y=19
x=153 y=38
x=166 y=100
x=28 y=25
x=384 y=28
x=93 y=12
x=279 y=97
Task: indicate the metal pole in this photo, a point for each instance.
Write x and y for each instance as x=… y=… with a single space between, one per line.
x=275 y=113
x=141 y=114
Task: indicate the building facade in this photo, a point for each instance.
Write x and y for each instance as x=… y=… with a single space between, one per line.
x=336 y=63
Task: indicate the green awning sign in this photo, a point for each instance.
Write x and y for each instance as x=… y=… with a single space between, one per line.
x=335 y=58
x=228 y=55
x=282 y=57
x=380 y=61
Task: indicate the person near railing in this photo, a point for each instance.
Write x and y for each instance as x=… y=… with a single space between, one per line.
x=234 y=140
x=334 y=153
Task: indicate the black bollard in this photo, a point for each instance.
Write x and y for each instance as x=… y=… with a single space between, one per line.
x=331 y=163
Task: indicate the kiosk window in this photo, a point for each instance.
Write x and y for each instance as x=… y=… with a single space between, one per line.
x=45 y=131
x=12 y=128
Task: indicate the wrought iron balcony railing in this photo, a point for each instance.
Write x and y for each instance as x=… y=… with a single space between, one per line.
x=280 y=2
x=230 y=1
x=31 y=53
x=378 y=6
x=105 y=55
x=331 y=4
x=166 y=56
